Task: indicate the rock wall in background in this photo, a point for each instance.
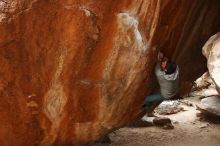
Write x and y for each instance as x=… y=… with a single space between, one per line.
x=74 y=70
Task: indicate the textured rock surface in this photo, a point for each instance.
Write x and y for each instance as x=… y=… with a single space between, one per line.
x=73 y=70
x=169 y=107
x=204 y=86
x=211 y=105
x=211 y=51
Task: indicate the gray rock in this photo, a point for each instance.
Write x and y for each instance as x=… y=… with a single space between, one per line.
x=169 y=107
x=211 y=105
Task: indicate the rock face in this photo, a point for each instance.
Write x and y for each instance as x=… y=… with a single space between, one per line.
x=74 y=70
x=211 y=51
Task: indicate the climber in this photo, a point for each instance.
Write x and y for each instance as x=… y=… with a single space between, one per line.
x=167 y=74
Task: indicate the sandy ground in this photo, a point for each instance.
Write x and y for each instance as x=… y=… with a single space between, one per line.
x=188 y=130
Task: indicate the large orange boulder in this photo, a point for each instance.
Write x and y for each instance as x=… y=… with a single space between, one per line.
x=74 y=70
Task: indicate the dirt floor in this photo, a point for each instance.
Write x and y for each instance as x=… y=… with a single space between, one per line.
x=189 y=130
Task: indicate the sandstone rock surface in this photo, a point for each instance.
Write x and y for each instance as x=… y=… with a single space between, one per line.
x=74 y=70
x=204 y=86
x=211 y=51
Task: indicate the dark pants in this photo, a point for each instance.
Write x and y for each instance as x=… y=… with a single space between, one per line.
x=152 y=101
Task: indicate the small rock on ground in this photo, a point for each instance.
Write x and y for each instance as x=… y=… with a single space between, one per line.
x=210 y=105
x=161 y=121
x=169 y=107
